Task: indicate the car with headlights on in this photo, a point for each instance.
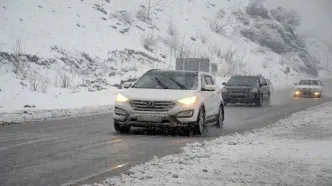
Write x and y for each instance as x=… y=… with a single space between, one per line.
x=169 y=98
x=246 y=89
x=308 y=88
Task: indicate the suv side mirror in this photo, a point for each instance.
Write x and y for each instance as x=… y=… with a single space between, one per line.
x=126 y=84
x=209 y=88
x=224 y=83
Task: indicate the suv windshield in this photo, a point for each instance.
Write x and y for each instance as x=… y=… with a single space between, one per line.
x=243 y=81
x=168 y=80
x=308 y=82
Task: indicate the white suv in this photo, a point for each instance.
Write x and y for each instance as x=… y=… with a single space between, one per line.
x=169 y=98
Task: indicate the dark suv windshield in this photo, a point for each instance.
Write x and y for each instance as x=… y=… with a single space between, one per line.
x=308 y=82
x=168 y=80
x=243 y=81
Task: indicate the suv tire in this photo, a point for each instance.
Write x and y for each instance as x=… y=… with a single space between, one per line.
x=199 y=128
x=221 y=117
x=121 y=129
x=259 y=100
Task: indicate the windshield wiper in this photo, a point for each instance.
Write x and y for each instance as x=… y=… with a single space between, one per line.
x=160 y=83
x=179 y=84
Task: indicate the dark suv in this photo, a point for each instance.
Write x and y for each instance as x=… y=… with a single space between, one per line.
x=246 y=89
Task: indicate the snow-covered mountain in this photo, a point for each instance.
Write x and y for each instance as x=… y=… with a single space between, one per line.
x=57 y=50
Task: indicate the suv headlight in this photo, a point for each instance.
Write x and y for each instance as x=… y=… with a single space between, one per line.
x=120 y=98
x=254 y=90
x=188 y=101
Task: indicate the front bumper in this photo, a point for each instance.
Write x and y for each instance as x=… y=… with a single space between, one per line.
x=307 y=93
x=125 y=115
x=247 y=97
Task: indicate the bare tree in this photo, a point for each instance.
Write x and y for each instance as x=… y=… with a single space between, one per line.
x=34 y=81
x=218 y=25
x=144 y=13
x=38 y=82
x=17 y=49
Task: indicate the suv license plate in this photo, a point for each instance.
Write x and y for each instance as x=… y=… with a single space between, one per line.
x=149 y=118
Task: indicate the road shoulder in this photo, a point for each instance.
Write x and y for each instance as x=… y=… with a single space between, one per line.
x=294 y=151
x=31 y=115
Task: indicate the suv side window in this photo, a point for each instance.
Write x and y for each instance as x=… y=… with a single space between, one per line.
x=262 y=81
x=208 y=80
x=203 y=81
x=212 y=80
x=268 y=82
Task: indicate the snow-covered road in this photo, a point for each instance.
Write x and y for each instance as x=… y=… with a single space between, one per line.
x=294 y=151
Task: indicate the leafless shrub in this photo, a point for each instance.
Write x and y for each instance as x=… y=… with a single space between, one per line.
x=145 y=10
x=65 y=79
x=123 y=16
x=142 y=15
x=288 y=18
x=235 y=62
x=38 y=83
x=218 y=25
x=257 y=9
x=149 y=41
x=202 y=36
x=171 y=30
x=241 y=16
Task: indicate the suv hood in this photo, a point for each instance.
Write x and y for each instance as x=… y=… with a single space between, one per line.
x=157 y=94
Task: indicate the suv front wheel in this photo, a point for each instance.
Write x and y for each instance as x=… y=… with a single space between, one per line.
x=121 y=129
x=221 y=117
x=199 y=128
x=259 y=100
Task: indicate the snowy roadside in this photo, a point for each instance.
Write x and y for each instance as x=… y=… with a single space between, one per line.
x=28 y=116
x=294 y=151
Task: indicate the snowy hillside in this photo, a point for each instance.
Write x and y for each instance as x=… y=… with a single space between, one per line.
x=77 y=52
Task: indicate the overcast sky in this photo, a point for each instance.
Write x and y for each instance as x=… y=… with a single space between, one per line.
x=316 y=16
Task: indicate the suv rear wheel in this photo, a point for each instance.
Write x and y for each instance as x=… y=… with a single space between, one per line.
x=121 y=129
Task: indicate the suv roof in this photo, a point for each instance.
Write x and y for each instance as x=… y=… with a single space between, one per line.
x=183 y=71
x=247 y=76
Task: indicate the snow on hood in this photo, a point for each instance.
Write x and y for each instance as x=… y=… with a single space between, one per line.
x=158 y=94
x=318 y=87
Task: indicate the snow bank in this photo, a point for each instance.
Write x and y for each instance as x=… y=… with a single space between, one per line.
x=35 y=115
x=294 y=151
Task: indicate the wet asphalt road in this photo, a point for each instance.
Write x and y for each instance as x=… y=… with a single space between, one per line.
x=87 y=150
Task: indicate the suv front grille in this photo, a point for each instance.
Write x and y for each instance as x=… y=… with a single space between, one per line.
x=154 y=106
x=239 y=90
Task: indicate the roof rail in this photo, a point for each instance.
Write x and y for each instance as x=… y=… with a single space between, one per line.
x=152 y=70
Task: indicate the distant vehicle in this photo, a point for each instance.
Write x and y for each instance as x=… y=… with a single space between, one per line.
x=308 y=88
x=196 y=64
x=246 y=89
x=169 y=98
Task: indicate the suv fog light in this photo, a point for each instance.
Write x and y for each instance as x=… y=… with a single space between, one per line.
x=120 y=112
x=185 y=114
